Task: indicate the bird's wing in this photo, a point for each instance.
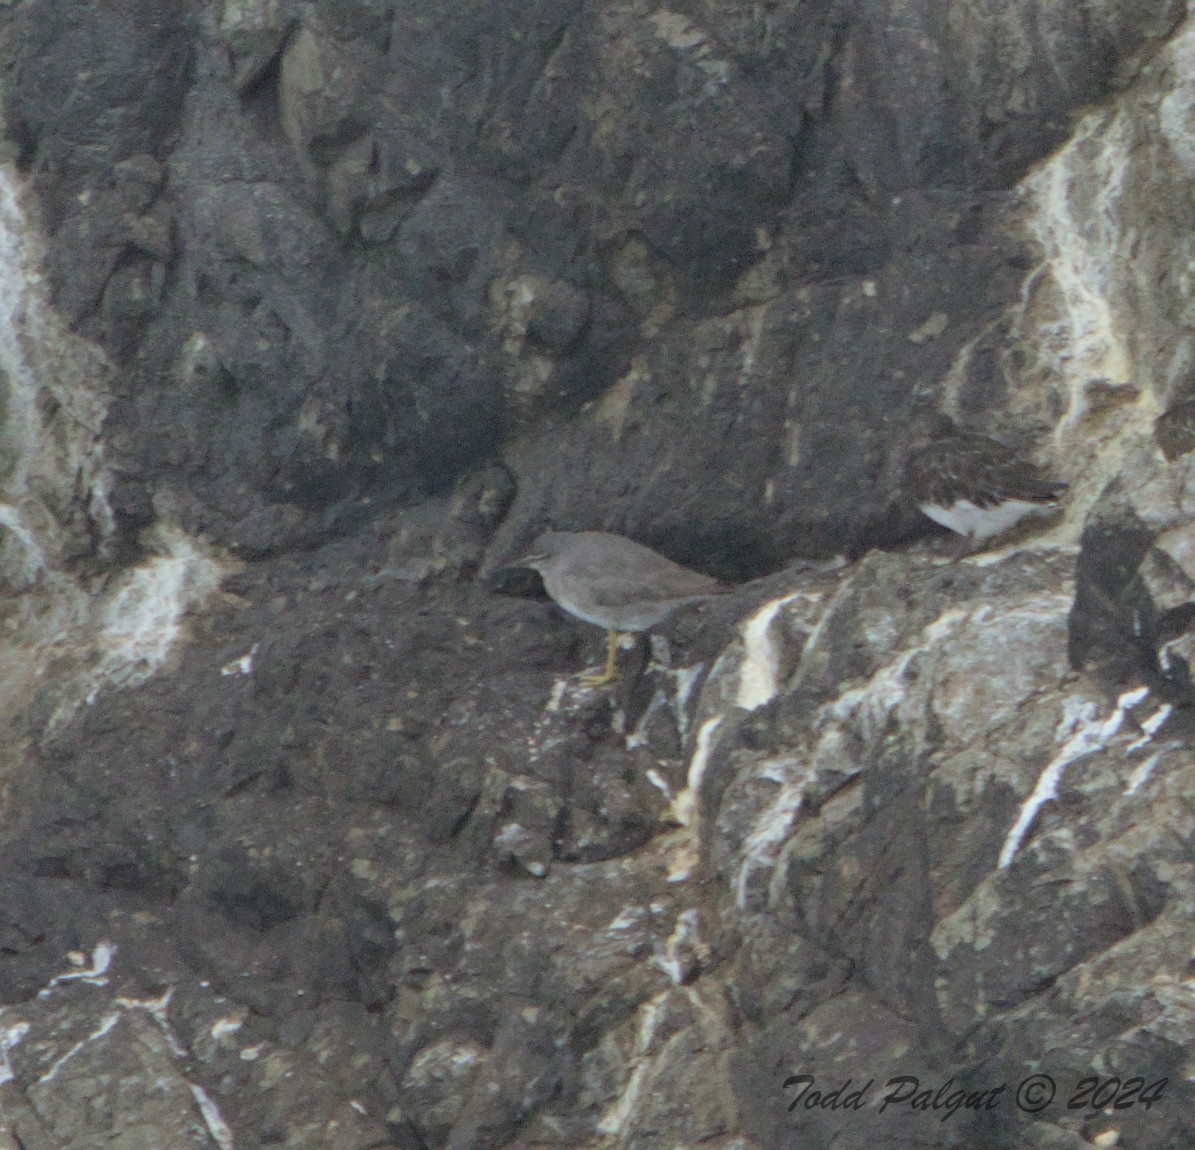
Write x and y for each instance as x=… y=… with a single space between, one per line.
x=617 y=588
x=984 y=472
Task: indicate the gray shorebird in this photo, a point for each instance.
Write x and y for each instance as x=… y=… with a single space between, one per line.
x=613 y=582
x=975 y=486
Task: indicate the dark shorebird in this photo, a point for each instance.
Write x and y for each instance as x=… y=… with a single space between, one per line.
x=615 y=583
x=974 y=485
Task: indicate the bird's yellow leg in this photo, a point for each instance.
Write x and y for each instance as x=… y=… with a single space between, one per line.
x=610 y=673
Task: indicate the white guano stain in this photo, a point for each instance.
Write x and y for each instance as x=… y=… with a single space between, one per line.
x=771 y=830
x=104 y=1027
x=1078 y=307
x=1142 y=774
x=870 y=705
x=618 y=1115
x=243 y=665
x=10 y=1036
x=685 y=937
x=223 y=1026
x=686 y=805
x=759 y=674
x=1151 y=726
x=28 y=565
x=159 y=1010
x=1085 y=733
x=54 y=394
x=212 y=1118
x=677 y=700
x=1075 y=218
x=42 y=360
x=96 y=974
x=140 y=622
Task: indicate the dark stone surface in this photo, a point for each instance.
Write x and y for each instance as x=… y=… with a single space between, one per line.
x=298 y=190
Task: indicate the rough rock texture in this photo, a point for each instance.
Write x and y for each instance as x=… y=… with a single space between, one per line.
x=348 y=859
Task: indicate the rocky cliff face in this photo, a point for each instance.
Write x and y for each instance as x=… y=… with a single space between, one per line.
x=315 y=313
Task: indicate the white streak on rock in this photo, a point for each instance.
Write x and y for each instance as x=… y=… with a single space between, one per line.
x=660 y=783
x=1151 y=727
x=223 y=1026
x=625 y=919
x=99 y=1032
x=638 y=737
x=681 y=946
x=217 y=1127
x=53 y=400
x=42 y=363
x=142 y=620
x=872 y=703
x=686 y=805
x=157 y=1009
x=96 y=974
x=1141 y=775
x=683 y=679
x=771 y=830
x=1075 y=217
x=1085 y=734
x=686 y=677
x=1176 y=112
x=759 y=675
x=558 y=689
x=243 y=665
x=10 y=1036
x=26 y=567
x=618 y=1115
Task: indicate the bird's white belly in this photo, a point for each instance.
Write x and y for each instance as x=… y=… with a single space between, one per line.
x=965 y=518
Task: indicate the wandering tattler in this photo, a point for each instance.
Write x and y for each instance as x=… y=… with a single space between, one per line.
x=616 y=583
